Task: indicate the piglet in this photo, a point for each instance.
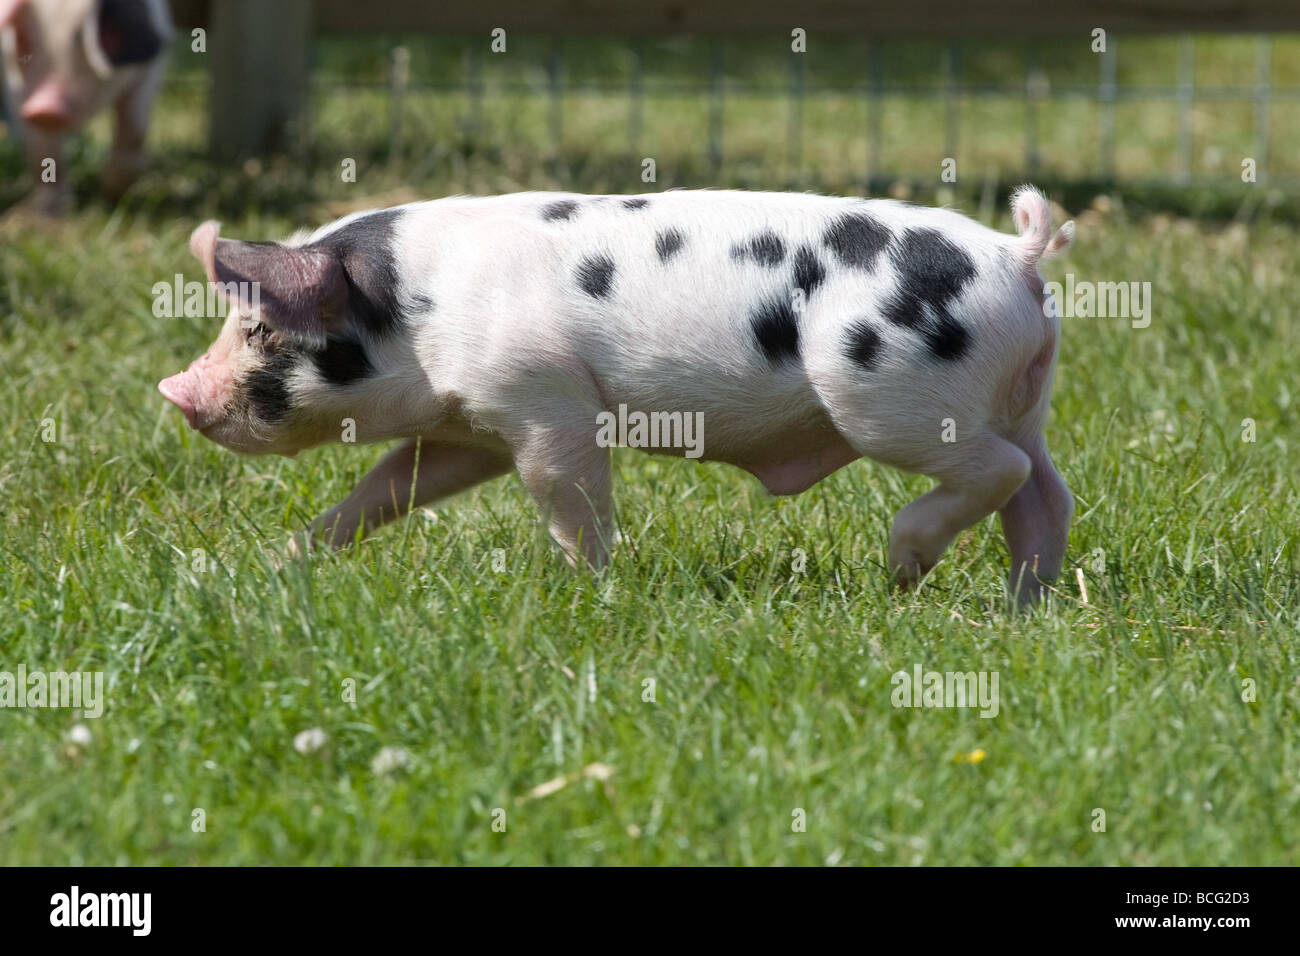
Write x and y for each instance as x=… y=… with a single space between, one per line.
x=64 y=60
x=529 y=332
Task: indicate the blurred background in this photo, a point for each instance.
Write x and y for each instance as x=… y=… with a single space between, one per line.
x=577 y=95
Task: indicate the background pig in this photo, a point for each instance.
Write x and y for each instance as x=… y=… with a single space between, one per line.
x=490 y=333
x=64 y=60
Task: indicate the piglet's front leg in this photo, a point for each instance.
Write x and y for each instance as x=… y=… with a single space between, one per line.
x=569 y=478
x=127 y=159
x=394 y=486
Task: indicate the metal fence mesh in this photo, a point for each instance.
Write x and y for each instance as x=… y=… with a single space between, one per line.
x=1154 y=109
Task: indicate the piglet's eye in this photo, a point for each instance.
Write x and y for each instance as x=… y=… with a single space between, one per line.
x=259 y=333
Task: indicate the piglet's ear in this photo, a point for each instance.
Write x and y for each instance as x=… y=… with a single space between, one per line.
x=300 y=291
x=203 y=245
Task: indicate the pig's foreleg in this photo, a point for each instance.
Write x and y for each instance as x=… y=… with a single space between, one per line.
x=568 y=475
x=127 y=158
x=396 y=484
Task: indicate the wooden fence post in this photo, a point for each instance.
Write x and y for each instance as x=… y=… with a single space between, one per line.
x=259 y=56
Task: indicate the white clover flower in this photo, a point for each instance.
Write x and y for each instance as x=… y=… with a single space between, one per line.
x=310 y=741
x=389 y=759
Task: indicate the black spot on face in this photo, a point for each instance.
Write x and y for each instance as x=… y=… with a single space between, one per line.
x=857 y=239
x=668 y=243
x=365 y=249
x=342 y=361
x=932 y=273
x=561 y=209
x=864 y=344
x=766 y=249
x=776 y=329
x=595 y=274
x=808 y=270
x=266 y=390
x=636 y=202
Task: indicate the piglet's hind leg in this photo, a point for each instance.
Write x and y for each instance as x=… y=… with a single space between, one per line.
x=978 y=478
x=1036 y=525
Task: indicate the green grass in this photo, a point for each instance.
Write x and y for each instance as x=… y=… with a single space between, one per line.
x=772 y=687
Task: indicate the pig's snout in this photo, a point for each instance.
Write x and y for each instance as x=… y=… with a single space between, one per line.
x=175 y=389
x=48 y=108
x=201 y=391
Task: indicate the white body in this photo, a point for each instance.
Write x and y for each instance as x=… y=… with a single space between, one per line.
x=509 y=328
x=526 y=317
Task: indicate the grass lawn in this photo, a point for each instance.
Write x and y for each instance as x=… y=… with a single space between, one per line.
x=723 y=694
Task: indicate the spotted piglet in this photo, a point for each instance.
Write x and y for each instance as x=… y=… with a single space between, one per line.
x=802 y=332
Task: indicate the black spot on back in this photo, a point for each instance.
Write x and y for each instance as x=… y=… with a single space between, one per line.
x=667 y=244
x=903 y=312
x=595 y=274
x=342 y=361
x=365 y=248
x=932 y=273
x=864 y=344
x=766 y=249
x=808 y=270
x=857 y=239
x=933 y=269
x=636 y=202
x=560 y=209
x=947 y=338
x=265 y=388
x=777 y=329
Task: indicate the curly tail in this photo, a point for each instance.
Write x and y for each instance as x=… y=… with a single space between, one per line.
x=1034 y=223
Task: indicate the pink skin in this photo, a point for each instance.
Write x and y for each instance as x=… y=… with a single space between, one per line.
x=203 y=389
x=48 y=108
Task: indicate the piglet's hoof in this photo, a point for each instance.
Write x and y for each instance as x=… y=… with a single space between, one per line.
x=298 y=547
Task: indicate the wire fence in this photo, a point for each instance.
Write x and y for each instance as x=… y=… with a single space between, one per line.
x=866 y=123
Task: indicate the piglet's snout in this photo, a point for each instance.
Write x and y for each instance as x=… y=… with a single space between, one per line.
x=176 y=390
x=48 y=108
x=198 y=392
